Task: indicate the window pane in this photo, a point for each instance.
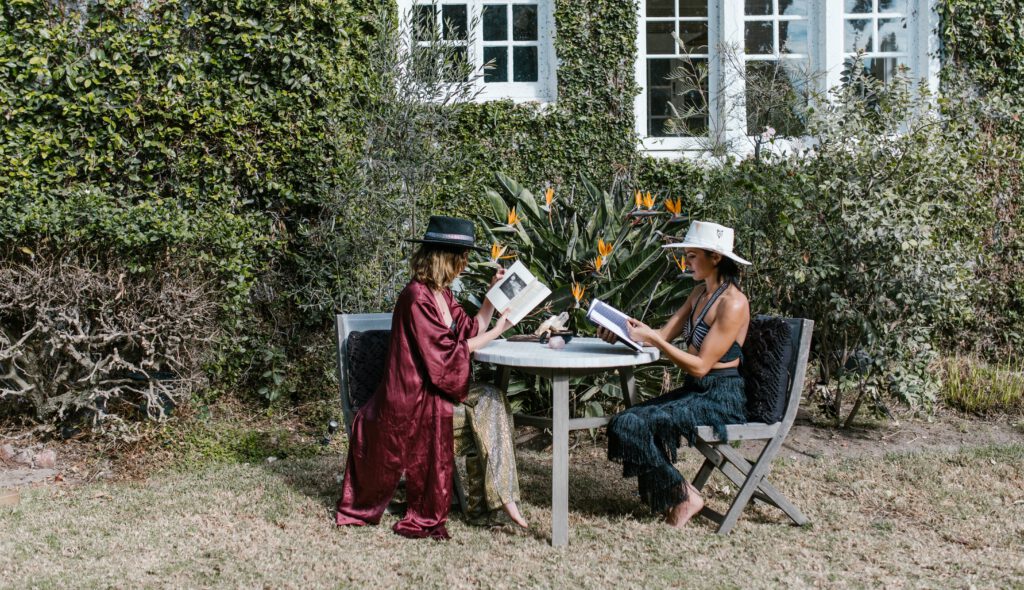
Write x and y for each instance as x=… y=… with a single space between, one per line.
x=858 y=6
x=676 y=90
x=659 y=39
x=774 y=89
x=754 y=7
x=857 y=35
x=892 y=6
x=454 y=18
x=693 y=7
x=524 y=64
x=884 y=68
x=455 y=68
x=423 y=23
x=495 y=22
x=694 y=36
x=524 y=22
x=759 y=37
x=793 y=36
x=660 y=8
x=892 y=34
x=793 y=7
x=498 y=70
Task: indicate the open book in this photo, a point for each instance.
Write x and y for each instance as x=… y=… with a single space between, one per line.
x=519 y=292
x=613 y=320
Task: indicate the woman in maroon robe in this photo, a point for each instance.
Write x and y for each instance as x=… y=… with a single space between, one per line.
x=407 y=425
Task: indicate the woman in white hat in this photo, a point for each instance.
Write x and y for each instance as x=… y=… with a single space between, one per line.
x=712 y=325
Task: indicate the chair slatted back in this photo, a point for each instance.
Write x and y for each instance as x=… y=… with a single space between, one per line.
x=346 y=324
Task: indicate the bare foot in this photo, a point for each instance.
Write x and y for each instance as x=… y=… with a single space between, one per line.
x=682 y=512
x=513 y=512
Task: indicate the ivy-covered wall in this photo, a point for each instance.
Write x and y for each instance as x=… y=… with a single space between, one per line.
x=225 y=134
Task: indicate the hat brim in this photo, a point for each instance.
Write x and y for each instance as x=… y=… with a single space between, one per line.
x=728 y=255
x=449 y=244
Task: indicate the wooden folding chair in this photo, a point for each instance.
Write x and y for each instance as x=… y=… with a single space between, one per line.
x=345 y=325
x=751 y=478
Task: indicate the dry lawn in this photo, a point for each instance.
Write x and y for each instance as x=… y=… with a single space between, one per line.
x=934 y=519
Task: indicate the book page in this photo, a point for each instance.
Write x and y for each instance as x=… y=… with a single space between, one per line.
x=516 y=279
x=527 y=300
x=613 y=320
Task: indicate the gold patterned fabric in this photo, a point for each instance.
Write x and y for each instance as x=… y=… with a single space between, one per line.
x=483 y=435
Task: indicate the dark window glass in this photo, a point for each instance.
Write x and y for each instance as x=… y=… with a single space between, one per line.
x=773 y=90
x=454 y=17
x=524 y=64
x=857 y=35
x=892 y=34
x=495 y=64
x=793 y=7
x=892 y=6
x=793 y=36
x=423 y=23
x=660 y=8
x=693 y=7
x=524 y=22
x=755 y=7
x=857 y=6
x=673 y=96
x=694 y=36
x=456 y=68
x=659 y=38
x=495 y=21
x=758 y=38
x=884 y=68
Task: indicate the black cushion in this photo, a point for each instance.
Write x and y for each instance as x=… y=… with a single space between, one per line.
x=767 y=356
x=367 y=356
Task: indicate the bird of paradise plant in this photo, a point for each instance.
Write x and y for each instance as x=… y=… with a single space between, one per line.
x=549 y=197
x=598 y=263
x=604 y=249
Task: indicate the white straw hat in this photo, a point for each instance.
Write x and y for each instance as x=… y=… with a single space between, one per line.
x=709 y=236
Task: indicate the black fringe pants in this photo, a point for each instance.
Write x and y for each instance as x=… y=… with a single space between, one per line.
x=646 y=437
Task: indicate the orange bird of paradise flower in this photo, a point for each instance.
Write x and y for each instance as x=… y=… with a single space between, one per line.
x=498 y=252
x=598 y=263
x=649 y=200
x=604 y=249
x=638 y=198
x=549 y=196
x=513 y=217
x=578 y=292
x=674 y=207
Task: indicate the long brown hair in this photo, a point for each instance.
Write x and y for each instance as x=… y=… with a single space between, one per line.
x=436 y=267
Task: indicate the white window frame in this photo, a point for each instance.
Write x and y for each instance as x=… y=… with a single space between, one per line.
x=544 y=90
x=727 y=123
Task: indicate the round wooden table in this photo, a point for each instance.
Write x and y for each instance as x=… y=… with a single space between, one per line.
x=581 y=356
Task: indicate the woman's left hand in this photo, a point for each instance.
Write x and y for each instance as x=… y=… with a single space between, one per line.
x=497 y=277
x=641 y=332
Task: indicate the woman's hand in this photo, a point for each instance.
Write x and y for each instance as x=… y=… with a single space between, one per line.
x=497 y=277
x=607 y=335
x=641 y=332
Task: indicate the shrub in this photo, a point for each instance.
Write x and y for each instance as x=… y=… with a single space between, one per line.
x=975 y=386
x=98 y=347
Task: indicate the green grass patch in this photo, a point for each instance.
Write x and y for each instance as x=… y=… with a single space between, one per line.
x=974 y=386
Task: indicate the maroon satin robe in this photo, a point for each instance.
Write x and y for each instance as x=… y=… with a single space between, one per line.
x=406 y=426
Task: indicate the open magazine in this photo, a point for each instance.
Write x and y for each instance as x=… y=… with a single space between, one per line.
x=613 y=320
x=518 y=292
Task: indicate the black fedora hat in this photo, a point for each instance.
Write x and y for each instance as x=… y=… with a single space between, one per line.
x=451 y=232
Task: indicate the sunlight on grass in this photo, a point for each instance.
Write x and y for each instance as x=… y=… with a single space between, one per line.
x=977 y=387
x=930 y=519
